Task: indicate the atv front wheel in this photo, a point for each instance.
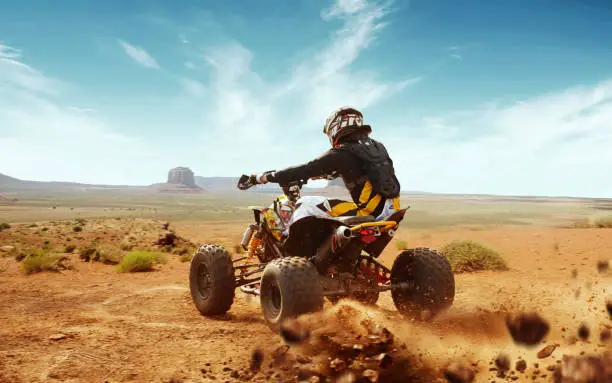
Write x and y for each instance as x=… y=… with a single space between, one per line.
x=430 y=283
x=211 y=280
x=290 y=287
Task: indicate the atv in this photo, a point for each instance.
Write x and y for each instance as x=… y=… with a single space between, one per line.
x=296 y=255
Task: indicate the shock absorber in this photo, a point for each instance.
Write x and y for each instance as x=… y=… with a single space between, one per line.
x=254 y=244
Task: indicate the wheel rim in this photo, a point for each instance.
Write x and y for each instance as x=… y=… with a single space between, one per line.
x=276 y=300
x=404 y=297
x=204 y=282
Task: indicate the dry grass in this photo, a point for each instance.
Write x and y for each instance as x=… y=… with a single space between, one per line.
x=602 y=222
x=39 y=261
x=4 y=226
x=469 y=256
x=401 y=245
x=140 y=261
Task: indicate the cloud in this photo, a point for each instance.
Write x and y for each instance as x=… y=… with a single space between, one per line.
x=261 y=113
x=191 y=86
x=43 y=138
x=552 y=144
x=139 y=55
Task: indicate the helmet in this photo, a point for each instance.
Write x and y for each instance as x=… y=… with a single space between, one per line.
x=344 y=121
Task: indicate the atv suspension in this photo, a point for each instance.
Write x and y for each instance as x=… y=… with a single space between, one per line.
x=371 y=268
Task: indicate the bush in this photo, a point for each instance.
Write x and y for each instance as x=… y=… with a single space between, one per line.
x=38 y=261
x=69 y=248
x=186 y=257
x=4 y=226
x=140 y=261
x=603 y=222
x=468 y=256
x=109 y=255
x=599 y=222
x=77 y=229
x=401 y=245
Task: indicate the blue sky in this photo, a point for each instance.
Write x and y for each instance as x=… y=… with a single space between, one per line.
x=470 y=97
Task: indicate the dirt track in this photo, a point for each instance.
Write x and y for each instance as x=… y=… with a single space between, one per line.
x=143 y=327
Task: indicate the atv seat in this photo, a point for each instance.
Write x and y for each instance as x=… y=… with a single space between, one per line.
x=356 y=220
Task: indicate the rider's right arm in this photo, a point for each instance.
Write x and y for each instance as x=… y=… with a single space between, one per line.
x=323 y=166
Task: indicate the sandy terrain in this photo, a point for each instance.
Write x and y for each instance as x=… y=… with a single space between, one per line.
x=92 y=324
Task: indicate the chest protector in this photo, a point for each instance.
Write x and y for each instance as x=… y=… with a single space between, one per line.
x=377 y=166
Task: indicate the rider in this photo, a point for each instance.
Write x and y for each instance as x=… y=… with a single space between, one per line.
x=363 y=164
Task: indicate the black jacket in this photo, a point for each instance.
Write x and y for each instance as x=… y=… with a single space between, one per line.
x=336 y=162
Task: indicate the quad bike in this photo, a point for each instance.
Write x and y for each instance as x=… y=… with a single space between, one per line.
x=296 y=254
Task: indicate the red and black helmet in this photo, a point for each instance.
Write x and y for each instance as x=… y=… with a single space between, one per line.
x=344 y=121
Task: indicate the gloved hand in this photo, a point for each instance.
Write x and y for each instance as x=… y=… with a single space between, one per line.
x=245 y=182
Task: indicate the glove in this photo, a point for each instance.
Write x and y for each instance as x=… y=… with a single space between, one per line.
x=245 y=182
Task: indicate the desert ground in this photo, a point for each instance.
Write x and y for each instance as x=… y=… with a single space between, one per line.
x=90 y=323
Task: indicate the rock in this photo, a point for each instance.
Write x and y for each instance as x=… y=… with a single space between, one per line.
x=547 y=351
x=457 y=373
x=585 y=369
x=527 y=328
x=603 y=266
x=370 y=375
x=583 y=332
x=256 y=360
x=293 y=332
x=182 y=176
x=521 y=366
x=502 y=363
x=605 y=335
x=384 y=360
x=337 y=365
x=7 y=249
x=58 y=336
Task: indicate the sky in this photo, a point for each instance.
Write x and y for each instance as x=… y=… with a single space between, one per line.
x=491 y=97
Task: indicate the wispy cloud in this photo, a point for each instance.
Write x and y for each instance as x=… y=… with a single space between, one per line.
x=191 y=86
x=540 y=145
x=140 y=55
x=40 y=135
x=258 y=112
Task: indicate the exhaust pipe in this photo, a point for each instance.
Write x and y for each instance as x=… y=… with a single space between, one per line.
x=332 y=246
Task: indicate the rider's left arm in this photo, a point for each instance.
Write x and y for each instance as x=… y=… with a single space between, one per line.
x=323 y=166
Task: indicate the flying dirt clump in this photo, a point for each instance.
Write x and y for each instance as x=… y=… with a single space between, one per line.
x=343 y=346
x=459 y=373
x=585 y=369
x=527 y=328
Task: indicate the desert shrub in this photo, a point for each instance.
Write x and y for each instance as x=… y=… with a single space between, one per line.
x=140 y=261
x=106 y=254
x=603 y=222
x=181 y=250
x=186 y=257
x=38 y=261
x=126 y=246
x=468 y=256
x=109 y=255
x=69 y=248
x=32 y=225
x=401 y=245
x=77 y=229
x=4 y=226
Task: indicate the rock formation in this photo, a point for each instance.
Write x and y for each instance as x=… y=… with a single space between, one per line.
x=182 y=176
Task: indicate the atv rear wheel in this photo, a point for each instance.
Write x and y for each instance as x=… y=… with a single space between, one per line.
x=431 y=283
x=290 y=287
x=211 y=280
